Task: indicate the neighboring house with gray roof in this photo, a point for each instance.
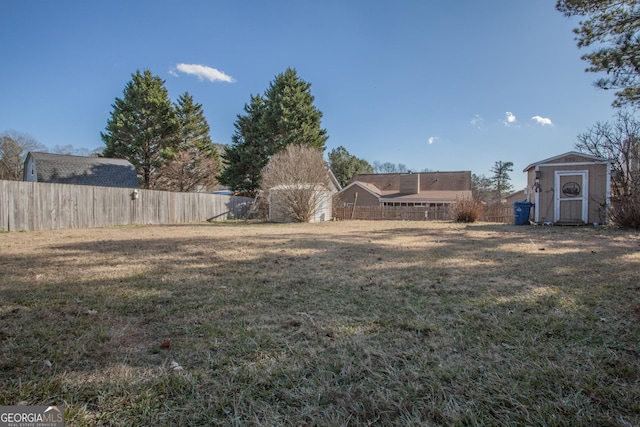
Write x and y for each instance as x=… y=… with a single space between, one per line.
x=406 y=189
x=78 y=170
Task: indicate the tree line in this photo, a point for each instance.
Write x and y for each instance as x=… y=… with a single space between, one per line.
x=170 y=146
x=168 y=143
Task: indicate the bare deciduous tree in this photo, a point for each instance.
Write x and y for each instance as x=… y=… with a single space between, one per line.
x=295 y=179
x=14 y=147
x=189 y=171
x=619 y=142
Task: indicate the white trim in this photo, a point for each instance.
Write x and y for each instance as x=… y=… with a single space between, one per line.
x=558 y=194
x=536 y=199
x=550 y=165
x=570 y=153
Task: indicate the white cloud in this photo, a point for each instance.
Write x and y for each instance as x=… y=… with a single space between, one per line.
x=477 y=120
x=433 y=139
x=544 y=121
x=510 y=118
x=203 y=72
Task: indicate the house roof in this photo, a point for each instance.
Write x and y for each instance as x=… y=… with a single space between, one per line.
x=365 y=186
x=517 y=193
x=389 y=183
x=334 y=180
x=585 y=156
x=435 y=187
x=78 y=170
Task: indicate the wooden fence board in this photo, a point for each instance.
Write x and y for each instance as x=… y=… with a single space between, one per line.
x=43 y=206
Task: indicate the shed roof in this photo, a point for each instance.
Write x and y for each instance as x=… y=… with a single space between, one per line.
x=586 y=157
x=79 y=170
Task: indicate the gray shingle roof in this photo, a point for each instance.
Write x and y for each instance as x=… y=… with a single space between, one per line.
x=99 y=171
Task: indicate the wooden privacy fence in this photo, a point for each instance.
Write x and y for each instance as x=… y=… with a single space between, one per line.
x=43 y=206
x=497 y=213
x=407 y=213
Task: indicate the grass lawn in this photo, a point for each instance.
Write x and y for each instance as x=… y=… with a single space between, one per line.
x=333 y=324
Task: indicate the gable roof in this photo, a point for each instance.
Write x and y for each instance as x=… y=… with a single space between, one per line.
x=78 y=170
x=434 y=187
x=389 y=183
x=334 y=180
x=333 y=184
x=375 y=191
x=586 y=157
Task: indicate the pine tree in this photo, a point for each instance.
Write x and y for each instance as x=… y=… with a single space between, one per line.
x=196 y=162
x=284 y=115
x=501 y=178
x=143 y=127
x=291 y=117
x=248 y=152
x=613 y=28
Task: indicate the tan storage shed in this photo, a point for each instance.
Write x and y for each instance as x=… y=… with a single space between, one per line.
x=570 y=189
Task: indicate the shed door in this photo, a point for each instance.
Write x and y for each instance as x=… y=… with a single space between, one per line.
x=571 y=196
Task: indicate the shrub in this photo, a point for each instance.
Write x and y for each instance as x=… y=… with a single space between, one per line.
x=466 y=210
x=625 y=210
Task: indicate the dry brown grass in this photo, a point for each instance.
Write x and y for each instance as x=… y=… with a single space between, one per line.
x=348 y=323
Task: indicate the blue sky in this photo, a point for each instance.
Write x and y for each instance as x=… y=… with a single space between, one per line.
x=428 y=83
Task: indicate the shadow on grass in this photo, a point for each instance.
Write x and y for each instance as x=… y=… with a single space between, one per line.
x=448 y=325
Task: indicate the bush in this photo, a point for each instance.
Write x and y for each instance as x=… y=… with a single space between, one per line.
x=625 y=210
x=466 y=210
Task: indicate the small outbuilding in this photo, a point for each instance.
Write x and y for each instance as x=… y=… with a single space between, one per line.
x=572 y=189
x=79 y=170
x=320 y=195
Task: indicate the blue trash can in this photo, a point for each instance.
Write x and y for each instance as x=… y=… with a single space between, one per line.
x=521 y=212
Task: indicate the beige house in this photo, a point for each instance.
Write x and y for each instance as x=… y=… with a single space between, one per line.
x=572 y=188
x=517 y=196
x=405 y=189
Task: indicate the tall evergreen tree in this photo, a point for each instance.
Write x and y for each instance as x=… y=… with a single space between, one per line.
x=291 y=117
x=284 y=115
x=249 y=150
x=613 y=27
x=194 y=128
x=501 y=178
x=196 y=161
x=143 y=127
